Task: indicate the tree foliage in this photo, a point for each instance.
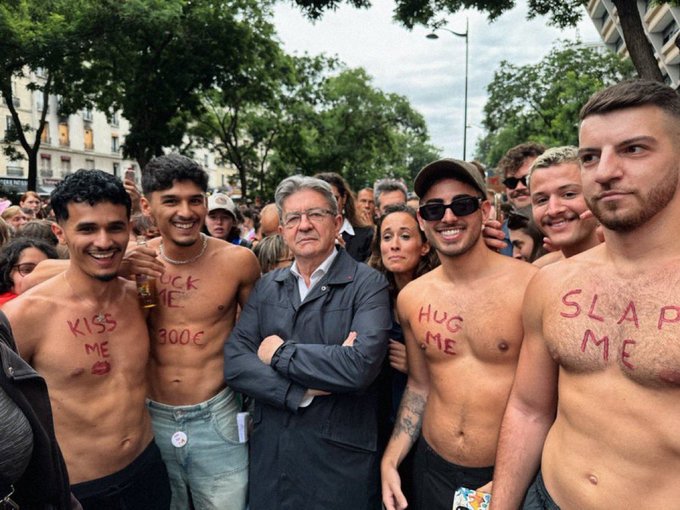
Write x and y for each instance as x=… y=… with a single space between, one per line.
x=38 y=35
x=156 y=59
x=560 y=13
x=353 y=129
x=541 y=102
x=308 y=115
x=243 y=124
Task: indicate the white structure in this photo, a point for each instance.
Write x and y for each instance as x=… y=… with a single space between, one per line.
x=84 y=140
x=661 y=26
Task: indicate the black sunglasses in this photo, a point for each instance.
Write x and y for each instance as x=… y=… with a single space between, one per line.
x=461 y=206
x=512 y=182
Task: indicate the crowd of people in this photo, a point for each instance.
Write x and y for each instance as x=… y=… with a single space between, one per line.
x=354 y=350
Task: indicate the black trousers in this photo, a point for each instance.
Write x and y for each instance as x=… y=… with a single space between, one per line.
x=537 y=497
x=435 y=480
x=142 y=485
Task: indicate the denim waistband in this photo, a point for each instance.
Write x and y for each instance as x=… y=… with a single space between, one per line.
x=222 y=399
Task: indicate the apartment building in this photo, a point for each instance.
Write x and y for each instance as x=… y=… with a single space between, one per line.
x=660 y=22
x=87 y=139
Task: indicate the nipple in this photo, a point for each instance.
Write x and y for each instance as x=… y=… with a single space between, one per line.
x=593 y=479
x=423 y=346
x=503 y=346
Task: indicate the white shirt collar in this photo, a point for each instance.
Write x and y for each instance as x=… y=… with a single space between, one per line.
x=347 y=227
x=318 y=273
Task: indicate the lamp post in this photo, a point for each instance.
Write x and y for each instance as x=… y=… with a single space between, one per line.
x=465 y=109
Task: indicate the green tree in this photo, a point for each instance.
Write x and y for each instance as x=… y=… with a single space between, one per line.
x=355 y=130
x=38 y=35
x=242 y=124
x=155 y=59
x=541 y=101
x=561 y=13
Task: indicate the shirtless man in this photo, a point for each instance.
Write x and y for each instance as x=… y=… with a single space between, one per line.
x=85 y=333
x=205 y=279
x=463 y=333
x=558 y=205
x=604 y=324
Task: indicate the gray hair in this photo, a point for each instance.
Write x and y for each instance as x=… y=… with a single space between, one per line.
x=387 y=185
x=296 y=183
x=553 y=157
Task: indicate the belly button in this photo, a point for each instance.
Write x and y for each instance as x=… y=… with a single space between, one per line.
x=503 y=346
x=593 y=479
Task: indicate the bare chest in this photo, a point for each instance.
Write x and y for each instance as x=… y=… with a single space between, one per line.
x=449 y=328
x=81 y=343
x=193 y=308
x=592 y=325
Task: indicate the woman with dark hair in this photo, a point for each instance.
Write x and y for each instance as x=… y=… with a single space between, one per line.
x=355 y=234
x=18 y=259
x=401 y=252
x=526 y=239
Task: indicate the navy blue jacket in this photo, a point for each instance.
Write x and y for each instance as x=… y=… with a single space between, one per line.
x=324 y=455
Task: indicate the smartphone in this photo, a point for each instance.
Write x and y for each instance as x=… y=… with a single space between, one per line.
x=130 y=174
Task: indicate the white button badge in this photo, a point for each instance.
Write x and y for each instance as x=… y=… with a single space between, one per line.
x=179 y=439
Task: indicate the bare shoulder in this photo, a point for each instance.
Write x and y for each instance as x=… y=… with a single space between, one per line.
x=548 y=258
x=513 y=273
x=234 y=259
x=412 y=294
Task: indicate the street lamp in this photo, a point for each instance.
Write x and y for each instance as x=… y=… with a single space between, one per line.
x=465 y=109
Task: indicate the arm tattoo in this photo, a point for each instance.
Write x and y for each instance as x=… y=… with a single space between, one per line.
x=410 y=416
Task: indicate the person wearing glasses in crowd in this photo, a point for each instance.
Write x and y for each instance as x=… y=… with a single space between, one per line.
x=463 y=333
x=18 y=259
x=308 y=347
x=514 y=166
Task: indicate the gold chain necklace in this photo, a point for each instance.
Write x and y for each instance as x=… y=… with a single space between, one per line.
x=99 y=318
x=188 y=261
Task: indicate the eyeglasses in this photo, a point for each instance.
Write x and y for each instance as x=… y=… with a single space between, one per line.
x=315 y=215
x=512 y=182
x=25 y=269
x=461 y=206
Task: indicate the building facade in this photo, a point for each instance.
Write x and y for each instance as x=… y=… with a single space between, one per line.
x=660 y=22
x=87 y=139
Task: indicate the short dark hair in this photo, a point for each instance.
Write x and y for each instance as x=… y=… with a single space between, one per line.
x=632 y=93
x=515 y=157
x=91 y=187
x=161 y=173
x=11 y=252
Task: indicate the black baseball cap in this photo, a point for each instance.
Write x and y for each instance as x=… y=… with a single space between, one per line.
x=448 y=168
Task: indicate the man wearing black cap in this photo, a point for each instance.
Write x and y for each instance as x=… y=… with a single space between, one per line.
x=463 y=333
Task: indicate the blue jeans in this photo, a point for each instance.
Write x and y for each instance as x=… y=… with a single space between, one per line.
x=212 y=465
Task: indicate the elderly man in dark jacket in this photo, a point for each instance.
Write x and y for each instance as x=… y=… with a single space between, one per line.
x=308 y=347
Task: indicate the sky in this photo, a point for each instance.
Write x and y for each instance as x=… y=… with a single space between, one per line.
x=429 y=73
